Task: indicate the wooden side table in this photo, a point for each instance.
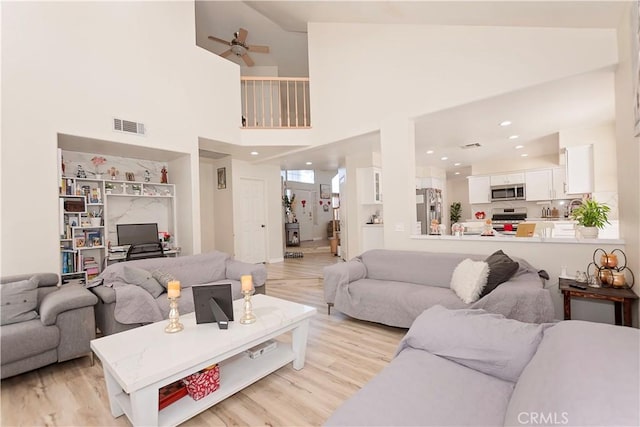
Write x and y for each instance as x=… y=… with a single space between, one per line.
x=622 y=299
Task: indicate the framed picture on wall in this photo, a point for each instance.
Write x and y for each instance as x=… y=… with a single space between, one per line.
x=222 y=178
x=325 y=191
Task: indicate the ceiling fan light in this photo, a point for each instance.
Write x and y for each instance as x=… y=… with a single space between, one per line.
x=238 y=49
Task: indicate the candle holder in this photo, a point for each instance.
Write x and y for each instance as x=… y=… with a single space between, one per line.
x=248 y=317
x=174 y=317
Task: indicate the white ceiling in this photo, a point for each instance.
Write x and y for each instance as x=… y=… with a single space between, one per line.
x=536 y=112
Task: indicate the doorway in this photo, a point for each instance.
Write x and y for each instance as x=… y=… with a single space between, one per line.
x=252 y=224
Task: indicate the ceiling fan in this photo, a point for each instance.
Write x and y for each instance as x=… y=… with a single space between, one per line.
x=239 y=47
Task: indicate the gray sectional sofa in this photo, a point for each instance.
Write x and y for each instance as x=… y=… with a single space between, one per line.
x=130 y=294
x=393 y=287
x=57 y=325
x=472 y=368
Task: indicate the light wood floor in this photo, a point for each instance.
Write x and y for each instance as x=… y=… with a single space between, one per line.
x=342 y=355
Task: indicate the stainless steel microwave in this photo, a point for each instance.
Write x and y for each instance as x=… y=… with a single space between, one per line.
x=507 y=192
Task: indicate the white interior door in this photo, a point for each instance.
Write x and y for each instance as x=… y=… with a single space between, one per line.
x=252 y=224
x=304 y=213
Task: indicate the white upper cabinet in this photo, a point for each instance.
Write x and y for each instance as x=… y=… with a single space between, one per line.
x=479 y=189
x=545 y=184
x=539 y=185
x=507 y=179
x=559 y=183
x=369 y=185
x=430 y=182
x=579 y=169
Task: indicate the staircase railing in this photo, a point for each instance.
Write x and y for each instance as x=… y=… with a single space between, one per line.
x=275 y=102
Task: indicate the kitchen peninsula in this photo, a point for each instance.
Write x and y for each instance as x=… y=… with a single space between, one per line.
x=506 y=238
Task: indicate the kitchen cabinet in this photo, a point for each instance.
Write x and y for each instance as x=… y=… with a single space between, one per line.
x=559 y=183
x=372 y=237
x=545 y=184
x=369 y=185
x=579 y=169
x=539 y=185
x=506 y=179
x=479 y=189
x=430 y=182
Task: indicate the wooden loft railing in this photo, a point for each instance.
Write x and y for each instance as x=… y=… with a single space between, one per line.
x=275 y=102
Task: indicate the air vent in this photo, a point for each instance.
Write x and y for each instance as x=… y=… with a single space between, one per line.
x=472 y=145
x=128 y=126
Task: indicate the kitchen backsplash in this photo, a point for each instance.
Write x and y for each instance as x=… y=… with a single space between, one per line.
x=534 y=209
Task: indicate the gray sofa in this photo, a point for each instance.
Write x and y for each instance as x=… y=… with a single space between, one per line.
x=470 y=368
x=393 y=287
x=127 y=300
x=60 y=328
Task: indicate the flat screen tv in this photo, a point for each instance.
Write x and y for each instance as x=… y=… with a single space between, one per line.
x=136 y=234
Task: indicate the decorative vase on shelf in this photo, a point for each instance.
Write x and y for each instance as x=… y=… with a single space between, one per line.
x=95 y=222
x=98 y=176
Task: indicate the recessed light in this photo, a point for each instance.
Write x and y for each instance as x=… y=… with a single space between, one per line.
x=457 y=164
x=505 y=123
x=444 y=158
x=517 y=147
x=514 y=137
x=524 y=155
x=254 y=153
x=457 y=173
x=429 y=151
x=309 y=163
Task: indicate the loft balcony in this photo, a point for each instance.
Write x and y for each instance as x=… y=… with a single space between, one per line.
x=275 y=102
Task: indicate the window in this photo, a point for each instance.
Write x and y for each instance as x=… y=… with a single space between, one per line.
x=306 y=176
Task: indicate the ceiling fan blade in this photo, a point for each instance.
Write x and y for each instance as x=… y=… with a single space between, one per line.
x=226 y=53
x=247 y=60
x=259 y=49
x=219 y=40
x=242 y=35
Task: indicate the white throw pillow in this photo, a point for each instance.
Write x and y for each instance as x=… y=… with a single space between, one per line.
x=468 y=279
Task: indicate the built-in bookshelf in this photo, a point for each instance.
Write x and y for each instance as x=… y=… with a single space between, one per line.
x=82 y=232
x=91 y=207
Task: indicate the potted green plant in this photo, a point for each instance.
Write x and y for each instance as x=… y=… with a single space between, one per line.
x=455 y=212
x=591 y=216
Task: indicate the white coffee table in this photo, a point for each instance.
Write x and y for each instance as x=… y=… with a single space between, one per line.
x=138 y=362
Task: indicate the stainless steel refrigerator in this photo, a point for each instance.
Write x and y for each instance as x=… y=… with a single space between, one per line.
x=429 y=207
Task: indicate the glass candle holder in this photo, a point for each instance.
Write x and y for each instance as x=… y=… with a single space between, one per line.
x=247 y=317
x=174 y=317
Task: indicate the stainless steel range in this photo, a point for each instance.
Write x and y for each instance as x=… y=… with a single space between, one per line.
x=507 y=219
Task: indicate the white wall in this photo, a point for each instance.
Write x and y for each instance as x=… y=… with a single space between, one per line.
x=363 y=72
x=223 y=218
x=207 y=206
x=628 y=150
x=70 y=68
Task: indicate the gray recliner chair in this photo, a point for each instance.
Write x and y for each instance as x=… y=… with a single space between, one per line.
x=62 y=330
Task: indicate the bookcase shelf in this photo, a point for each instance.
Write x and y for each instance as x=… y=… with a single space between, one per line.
x=83 y=247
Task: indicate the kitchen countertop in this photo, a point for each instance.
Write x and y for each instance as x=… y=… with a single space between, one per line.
x=514 y=239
